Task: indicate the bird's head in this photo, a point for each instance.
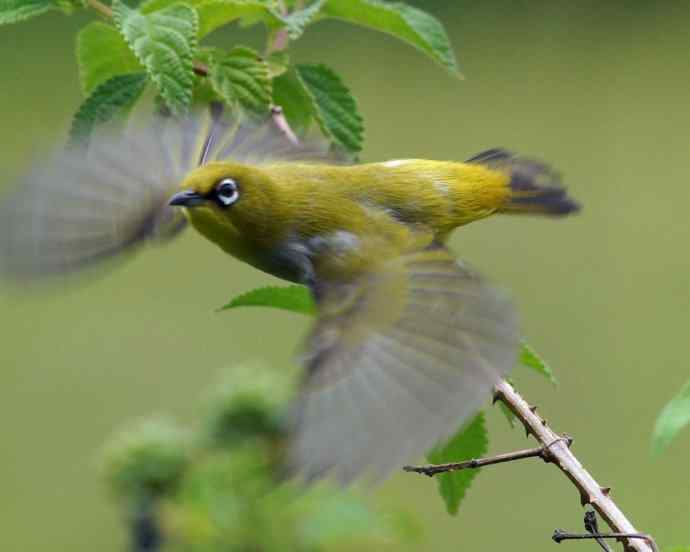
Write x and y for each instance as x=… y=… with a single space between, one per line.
x=229 y=203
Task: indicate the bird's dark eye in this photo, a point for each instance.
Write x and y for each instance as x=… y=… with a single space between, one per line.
x=227 y=192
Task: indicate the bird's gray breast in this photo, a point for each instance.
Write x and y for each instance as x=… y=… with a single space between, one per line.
x=296 y=257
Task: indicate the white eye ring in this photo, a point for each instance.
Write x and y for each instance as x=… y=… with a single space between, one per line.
x=227 y=192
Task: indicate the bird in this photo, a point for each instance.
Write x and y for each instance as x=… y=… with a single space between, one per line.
x=408 y=342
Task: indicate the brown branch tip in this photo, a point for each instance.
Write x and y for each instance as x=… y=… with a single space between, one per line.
x=555 y=449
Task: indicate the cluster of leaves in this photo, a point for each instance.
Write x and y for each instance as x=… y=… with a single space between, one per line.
x=217 y=487
x=471 y=441
x=160 y=43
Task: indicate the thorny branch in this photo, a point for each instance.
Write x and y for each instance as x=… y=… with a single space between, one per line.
x=555 y=449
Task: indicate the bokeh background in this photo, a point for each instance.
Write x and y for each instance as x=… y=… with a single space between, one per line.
x=600 y=89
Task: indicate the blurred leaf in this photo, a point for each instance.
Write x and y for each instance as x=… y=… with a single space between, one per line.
x=232 y=501
x=410 y=24
x=677 y=549
x=278 y=63
x=291 y=298
x=148 y=460
x=334 y=106
x=241 y=78
x=290 y=94
x=216 y=13
x=674 y=417
x=110 y=100
x=14 y=11
x=336 y=517
x=164 y=42
x=472 y=441
x=297 y=21
x=530 y=358
x=103 y=53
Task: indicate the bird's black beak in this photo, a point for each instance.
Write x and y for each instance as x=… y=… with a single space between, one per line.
x=187 y=198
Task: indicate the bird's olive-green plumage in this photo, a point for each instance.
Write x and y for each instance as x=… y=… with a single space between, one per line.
x=350 y=217
x=407 y=343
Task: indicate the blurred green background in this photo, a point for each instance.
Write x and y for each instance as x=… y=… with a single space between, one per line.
x=597 y=88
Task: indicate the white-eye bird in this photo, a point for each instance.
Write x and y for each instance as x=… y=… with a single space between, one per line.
x=407 y=344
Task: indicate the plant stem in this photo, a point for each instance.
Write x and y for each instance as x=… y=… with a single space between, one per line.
x=281 y=122
x=278 y=40
x=434 y=469
x=560 y=454
x=101 y=8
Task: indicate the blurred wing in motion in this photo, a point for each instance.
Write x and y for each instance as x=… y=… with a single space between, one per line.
x=251 y=143
x=90 y=205
x=85 y=206
x=397 y=361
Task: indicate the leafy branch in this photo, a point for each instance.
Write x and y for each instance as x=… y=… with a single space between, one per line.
x=163 y=40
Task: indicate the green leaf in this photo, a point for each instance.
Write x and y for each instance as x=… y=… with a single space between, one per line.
x=290 y=298
x=334 y=106
x=472 y=441
x=298 y=20
x=241 y=78
x=677 y=549
x=674 y=417
x=164 y=42
x=150 y=6
x=290 y=94
x=14 y=11
x=530 y=358
x=278 y=63
x=217 y=13
x=410 y=24
x=110 y=100
x=103 y=53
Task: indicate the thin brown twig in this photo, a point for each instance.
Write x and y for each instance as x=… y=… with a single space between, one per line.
x=281 y=122
x=100 y=7
x=434 y=469
x=279 y=39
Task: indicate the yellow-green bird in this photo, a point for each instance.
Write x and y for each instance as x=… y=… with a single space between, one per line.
x=407 y=344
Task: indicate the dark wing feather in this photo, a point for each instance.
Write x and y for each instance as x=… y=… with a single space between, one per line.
x=397 y=361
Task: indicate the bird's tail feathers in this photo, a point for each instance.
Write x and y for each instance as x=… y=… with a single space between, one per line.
x=535 y=188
